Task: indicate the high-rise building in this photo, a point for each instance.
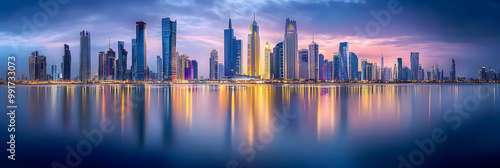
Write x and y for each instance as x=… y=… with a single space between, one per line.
x=321 y=73
x=159 y=68
x=66 y=63
x=482 y=74
x=133 y=67
x=37 y=67
x=384 y=70
x=169 y=42
x=102 y=65
x=141 y=49
x=453 y=72
x=278 y=61
x=84 y=56
x=369 y=71
x=214 y=65
x=232 y=52
x=336 y=66
x=363 y=69
x=54 y=72
x=400 y=68
x=254 y=50
x=414 y=61
x=353 y=66
x=194 y=67
x=267 y=61
x=121 y=63
x=303 y=64
x=109 y=68
x=329 y=69
x=290 y=45
x=313 y=60
x=220 y=71
x=344 y=62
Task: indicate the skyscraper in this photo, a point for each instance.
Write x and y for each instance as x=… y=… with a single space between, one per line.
x=254 y=50
x=453 y=72
x=37 y=67
x=329 y=70
x=121 y=63
x=384 y=70
x=214 y=65
x=313 y=60
x=141 y=47
x=66 y=63
x=336 y=66
x=414 y=61
x=321 y=67
x=169 y=42
x=84 y=56
x=303 y=64
x=267 y=61
x=133 y=68
x=232 y=52
x=344 y=62
x=54 y=72
x=194 y=67
x=400 y=68
x=220 y=71
x=159 y=68
x=109 y=66
x=290 y=45
x=102 y=64
x=363 y=69
x=353 y=64
x=278 y=61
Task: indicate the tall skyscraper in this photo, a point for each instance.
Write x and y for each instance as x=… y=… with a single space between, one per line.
x=66 y=63
x=453 y=74
x=37 y=67
x=121 y=63
x=336 y=66
x=214 y=65
x=102 y=65
x=109 y=66
x=384 y=70
x=133 y=68
x=54 y=72
x=353 y=64
x=169 y=42
x=232 y=52
x=329 y=70
x=414 y=61
x=254 y=50
x=141 y=49
x=85 y=74
x=314 y=60
x=321 y=67
x=291 y=65
x=363 y=69
x=344 y=62
x=159 y=68
x=278 y=61
x=400 y=68
x=304 y=64
x=194 y=67
x=267 y=61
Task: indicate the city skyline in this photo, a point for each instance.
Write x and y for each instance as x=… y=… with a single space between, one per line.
x=271 y=25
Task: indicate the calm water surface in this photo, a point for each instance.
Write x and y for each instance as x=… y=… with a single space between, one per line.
x=257 y=125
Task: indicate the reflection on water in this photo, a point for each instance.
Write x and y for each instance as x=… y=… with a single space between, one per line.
x=193 y=125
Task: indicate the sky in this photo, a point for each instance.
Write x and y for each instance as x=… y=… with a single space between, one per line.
x=465 y=30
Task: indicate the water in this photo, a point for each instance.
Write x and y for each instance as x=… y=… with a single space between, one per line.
x=327 y=125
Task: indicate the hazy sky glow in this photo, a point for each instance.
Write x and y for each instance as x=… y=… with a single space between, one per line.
x=439 y=30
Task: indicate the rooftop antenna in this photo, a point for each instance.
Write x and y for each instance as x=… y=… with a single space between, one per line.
x=253 y=16
x=109 y=42
x=313 y=37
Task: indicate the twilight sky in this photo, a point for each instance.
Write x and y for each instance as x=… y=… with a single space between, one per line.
x=467 y=30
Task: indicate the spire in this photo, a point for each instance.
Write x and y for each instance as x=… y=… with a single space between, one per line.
x=254 y=16
x=109 y=42
x=313 y=37
x=230 y=25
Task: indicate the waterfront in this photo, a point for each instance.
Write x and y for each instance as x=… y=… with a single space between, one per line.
x=259 y=125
